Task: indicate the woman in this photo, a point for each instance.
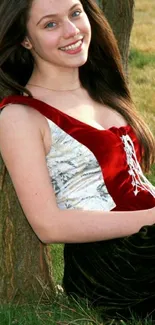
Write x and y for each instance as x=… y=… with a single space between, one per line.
x=72 y=143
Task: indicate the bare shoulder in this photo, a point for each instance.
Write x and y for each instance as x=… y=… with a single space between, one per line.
x=17 y=118
x=15 y=113
x=19 y=129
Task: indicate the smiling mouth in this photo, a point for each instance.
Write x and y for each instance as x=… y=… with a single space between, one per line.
x=72 y=46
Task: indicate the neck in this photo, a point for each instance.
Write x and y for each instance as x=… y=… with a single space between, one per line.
x=58 y=79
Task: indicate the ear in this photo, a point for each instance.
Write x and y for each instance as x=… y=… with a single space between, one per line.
x=26 y=43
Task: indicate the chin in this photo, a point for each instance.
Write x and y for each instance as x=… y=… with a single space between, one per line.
x=78 y=62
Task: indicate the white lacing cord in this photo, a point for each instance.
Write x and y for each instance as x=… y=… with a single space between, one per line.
x=139 y=181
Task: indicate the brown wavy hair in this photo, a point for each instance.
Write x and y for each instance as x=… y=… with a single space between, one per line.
x=102 y=75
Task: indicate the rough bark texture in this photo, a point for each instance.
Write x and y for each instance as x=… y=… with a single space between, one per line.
x=120 y=15
x=25 y=264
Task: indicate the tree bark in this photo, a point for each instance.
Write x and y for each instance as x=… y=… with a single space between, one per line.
x=25 y=263
x=120 y=15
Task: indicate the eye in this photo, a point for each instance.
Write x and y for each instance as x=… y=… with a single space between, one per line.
x=50 y=25
x=76 y=13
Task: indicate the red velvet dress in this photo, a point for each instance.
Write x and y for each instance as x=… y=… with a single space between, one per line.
x=117 y=274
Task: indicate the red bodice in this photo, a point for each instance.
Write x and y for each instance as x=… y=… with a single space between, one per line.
x=117 y=158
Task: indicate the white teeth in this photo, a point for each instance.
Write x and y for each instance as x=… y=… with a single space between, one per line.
x=72 y=47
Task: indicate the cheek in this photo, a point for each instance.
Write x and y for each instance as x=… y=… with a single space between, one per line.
x=49 y=40
x=86 y=26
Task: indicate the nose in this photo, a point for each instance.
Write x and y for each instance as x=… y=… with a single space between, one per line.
x=70 y=29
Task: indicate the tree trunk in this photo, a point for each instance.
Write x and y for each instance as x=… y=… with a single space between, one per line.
x=25 y=264
x=120 y=15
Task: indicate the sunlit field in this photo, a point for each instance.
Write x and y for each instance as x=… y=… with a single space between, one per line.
x=142 y=63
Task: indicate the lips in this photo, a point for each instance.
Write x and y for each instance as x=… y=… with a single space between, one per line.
x=64 y=47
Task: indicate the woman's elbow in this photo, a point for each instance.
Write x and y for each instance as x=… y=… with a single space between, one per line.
x=49 y=234
x=47 y=238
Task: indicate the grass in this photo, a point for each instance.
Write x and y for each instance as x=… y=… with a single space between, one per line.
x=142 y=83
x=60 y=312
x=142 y=61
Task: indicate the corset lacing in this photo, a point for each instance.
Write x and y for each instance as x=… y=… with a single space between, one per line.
x=139 y=181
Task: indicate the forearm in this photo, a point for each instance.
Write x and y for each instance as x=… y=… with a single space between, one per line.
x=77 y=226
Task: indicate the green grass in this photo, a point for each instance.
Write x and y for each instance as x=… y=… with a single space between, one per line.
x=139 y=59
x=60 y=312
x=151 y=176
x=57 y=261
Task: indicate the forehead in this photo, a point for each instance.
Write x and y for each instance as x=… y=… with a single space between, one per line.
x=44 y=7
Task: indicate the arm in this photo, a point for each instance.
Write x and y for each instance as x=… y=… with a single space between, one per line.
x=22 y=148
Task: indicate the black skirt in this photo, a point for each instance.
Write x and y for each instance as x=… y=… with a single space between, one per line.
x=118 y=275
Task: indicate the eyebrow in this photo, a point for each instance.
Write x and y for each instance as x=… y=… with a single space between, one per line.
x=55 y=15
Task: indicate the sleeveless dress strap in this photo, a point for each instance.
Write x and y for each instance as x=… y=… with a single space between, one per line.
x=40 y=106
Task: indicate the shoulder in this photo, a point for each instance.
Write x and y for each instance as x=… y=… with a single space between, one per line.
x=16 y=112
x=13 y=119
x=18 y=119
x=18 y=115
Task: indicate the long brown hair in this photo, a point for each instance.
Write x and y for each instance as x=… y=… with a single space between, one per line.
x=102 y=75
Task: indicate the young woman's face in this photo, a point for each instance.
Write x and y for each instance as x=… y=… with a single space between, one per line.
x=59 y=32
